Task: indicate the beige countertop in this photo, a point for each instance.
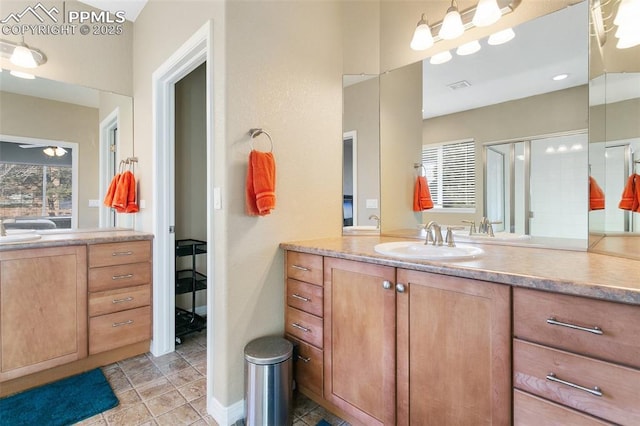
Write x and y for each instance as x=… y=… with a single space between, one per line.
x=83 y=236
x=579 y=273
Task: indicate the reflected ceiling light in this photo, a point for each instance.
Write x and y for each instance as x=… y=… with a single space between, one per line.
x=487 y=13
x=422 y=38
x=560 y=77
x=576 y=147
x=452 y=24
x=627 y=18
x=54 y=151
x=21 y=74
x=23 y=57
x=440 y=58
x=562 y=148
x=501 y=37
x=469 y=48
x=550 y=150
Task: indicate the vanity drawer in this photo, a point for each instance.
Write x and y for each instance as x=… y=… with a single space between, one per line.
x=119 y=329
x=306 y=297
x=112 y=277
x=304 y=267
x=106 y=302
x=618 y=323
x=308 y=366
x=119 y=253
x=304 y=326
x=537 y=368
x=531 y=410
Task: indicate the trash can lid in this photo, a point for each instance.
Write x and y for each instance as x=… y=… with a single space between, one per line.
x=268 y=350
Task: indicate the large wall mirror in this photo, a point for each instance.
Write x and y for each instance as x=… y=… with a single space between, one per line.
x=614 y=136
x=495 y=134
x=60 y=145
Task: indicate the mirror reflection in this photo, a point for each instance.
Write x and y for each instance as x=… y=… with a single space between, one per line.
x=60 y=146
x=499 y=99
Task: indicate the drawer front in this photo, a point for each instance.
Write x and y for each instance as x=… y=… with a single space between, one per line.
x=531 y=410
x=119 y=253
x=308 y=366
x=304 y=326
x=618 y=323
x=119 y=329
x=538 y=369
x=106 y=302
x=306 y=297
x=304 y=267
x=120 y=276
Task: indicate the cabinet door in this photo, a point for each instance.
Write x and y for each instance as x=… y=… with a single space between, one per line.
x=453 y=351
x=43 y=309
x=359 y=340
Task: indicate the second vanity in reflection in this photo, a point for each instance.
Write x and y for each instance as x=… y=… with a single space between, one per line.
x=392 y=341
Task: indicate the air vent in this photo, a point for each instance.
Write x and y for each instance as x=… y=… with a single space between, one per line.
x=459 y=85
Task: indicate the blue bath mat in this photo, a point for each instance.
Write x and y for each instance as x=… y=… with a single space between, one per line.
x=64 y=402
x=323 y=423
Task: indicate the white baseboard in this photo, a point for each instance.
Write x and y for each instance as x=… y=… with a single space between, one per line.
x=226 y=416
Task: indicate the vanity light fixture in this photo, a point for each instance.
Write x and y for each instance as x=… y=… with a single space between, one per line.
x=487 y=13
x=22 y=55
x=422 y=38
x=440 y=58
x=501 y=37
x=627 y=18
x=469 y=48
x=452 y=26
x=54 y=151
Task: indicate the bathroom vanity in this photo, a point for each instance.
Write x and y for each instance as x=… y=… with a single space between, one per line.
x=515 y=336
x=70 y=302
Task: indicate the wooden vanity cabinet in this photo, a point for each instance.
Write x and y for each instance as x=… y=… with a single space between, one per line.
x=578 y=353
x=43 y=309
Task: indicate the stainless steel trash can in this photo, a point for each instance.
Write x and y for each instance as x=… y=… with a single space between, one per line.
x=268 y=373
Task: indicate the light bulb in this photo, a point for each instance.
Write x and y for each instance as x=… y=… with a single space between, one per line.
x=469 y=48
x=487 y=13
x=501 y=37
x=440 y=58
x=60 y=151
x=452 y=24
x=422 y=38
x=49 y=151
x=23 y=57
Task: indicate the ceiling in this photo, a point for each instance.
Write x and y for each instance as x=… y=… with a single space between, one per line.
x=542 y=48
x=132 y=8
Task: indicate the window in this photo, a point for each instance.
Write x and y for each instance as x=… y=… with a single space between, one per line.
x=451 y=174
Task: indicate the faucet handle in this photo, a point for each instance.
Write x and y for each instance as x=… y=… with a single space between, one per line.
x=449 y=238
x=472 y=228
x=490 y=227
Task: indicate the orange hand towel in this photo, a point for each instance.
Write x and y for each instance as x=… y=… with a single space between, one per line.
x=119 y=202
x=631 y=194
x=111 y=192
x=261 y=183
x=596 y=195
x=132 y=205
x=421 y=195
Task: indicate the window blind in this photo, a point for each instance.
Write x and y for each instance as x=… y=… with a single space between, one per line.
x=451 y=173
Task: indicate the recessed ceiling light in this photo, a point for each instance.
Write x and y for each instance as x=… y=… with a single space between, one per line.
x=560 y=77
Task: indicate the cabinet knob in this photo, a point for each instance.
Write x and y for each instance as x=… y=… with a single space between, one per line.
x=386 y=284
x=400 y=288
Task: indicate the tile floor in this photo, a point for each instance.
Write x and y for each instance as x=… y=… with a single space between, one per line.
x=171 y=390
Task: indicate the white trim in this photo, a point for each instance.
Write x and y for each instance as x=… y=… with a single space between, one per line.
x=226 y=416
x=75 y=154
x=106 y=127
x=353 y=135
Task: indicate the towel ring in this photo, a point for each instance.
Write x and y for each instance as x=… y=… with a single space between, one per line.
x=254 y=133
x=423 y=172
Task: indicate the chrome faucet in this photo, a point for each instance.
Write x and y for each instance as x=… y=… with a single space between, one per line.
x=486 y=226
x=449 y=238
x=472 y=227
x=434 y=233
x=377 y=219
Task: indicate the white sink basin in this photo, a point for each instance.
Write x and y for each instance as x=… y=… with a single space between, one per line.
x=498 y=236
x=420 y=251
x=19 y=237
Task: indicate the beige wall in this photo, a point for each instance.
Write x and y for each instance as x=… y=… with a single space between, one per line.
x=400 y=144
x=278 y=75
x=96 y=61
x=62 y=122
x=361 y=114
x=615 y=121
x=361 y=37
x=560 y=111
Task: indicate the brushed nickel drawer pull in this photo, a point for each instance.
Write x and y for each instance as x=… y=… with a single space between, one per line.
x=126 y=299
x=303 y=359
x=594 y=330
x=122 y=253
x=118 y=324
x=595 y=391
x=122 y=277
x=299 y=327
x=301 y=268
x=304 y=299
